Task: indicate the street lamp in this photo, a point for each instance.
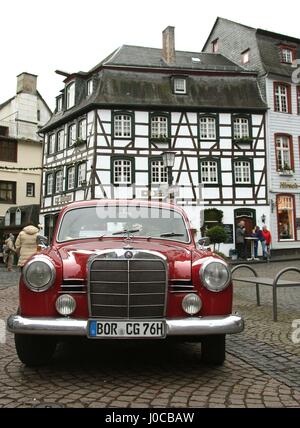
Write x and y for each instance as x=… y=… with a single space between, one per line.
x=168 y=158
x=263 y=218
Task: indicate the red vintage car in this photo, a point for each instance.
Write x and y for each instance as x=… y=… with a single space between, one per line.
x=123 y=270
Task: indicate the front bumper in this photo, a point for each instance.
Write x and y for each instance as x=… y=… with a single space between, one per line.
x=230 y=324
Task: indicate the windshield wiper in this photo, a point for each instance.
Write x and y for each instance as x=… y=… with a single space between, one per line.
x=126 y=231
x=171 y=234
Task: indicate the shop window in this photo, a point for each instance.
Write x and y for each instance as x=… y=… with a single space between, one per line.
x=286 y=217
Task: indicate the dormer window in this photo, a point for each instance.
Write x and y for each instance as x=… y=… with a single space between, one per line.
x=215 y=46
x=179 y=85
x=70 y=95
x=59 y=104
x=89 y=87
x=246 y=56
x=287 y=54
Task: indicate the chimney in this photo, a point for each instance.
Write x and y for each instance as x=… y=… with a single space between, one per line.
x=168 y=52
x=26 y=82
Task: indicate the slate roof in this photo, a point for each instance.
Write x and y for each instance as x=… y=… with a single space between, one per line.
x=268 y=44
x=223 y=84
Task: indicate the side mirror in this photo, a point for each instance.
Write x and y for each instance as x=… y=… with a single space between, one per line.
x=204 y=242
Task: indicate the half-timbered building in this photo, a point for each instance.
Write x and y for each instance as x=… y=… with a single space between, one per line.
x=112 y=124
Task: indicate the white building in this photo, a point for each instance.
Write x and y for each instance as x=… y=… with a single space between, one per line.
x=21 y=118
x=140 y=101
x=273 y=56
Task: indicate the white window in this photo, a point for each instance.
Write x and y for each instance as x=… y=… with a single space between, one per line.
x=281 y=98
x=51 y=144
x=30 y=190
x=59 y=182
x=70 y=95
x=60 y=141
x=71 y=135
x=285 y=217
x=207 y=128
x=89 y=87
x=82 y=129
x=159 y=127
x=240 y=127
x=71 y=178
x=283 y=153
x=81 y=174
x=122 y=126
x=18 y=219
x=159 y=173
x=246 y=56
x=49 y=184
x=209 y=172
x=7 y=218
x=122 y=171
x=59 y=104
x=242 y=172
x=180 y=85
x=286 y=55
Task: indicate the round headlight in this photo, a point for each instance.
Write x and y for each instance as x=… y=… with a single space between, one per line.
x=65 y=305
x=39 y=274
x=191 y=304
x=215 y=275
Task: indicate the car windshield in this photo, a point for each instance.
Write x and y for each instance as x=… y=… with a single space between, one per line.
x=108 y=221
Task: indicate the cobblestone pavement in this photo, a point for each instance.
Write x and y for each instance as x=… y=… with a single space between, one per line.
x=261 y=370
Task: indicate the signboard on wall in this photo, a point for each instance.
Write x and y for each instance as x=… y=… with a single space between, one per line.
x=229 y=230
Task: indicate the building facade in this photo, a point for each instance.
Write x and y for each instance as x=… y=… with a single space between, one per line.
x=274 y=57
x=21 y=118
x=113 y=123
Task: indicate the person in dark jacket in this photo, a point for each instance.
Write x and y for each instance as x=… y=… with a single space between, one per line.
x=240 y=240
x=257 y=233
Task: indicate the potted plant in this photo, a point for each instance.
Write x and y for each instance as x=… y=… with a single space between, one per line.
x=286 y=169
x=79 y=142
x=245 y=142
x=217 y=235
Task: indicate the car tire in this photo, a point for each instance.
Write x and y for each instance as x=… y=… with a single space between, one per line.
x=35 y=350
x=213 y=349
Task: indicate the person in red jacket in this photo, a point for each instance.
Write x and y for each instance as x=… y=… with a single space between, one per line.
x=268 y=237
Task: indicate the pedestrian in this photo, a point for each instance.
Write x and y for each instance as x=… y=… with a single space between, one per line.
x=26 y=243
x=10 y=251
x=268 y=239
x=257 y=233
x=240 y=240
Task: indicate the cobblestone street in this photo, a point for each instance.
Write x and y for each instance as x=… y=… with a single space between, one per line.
x=262 y=368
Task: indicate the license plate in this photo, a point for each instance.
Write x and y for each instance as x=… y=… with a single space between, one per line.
x=126 y=329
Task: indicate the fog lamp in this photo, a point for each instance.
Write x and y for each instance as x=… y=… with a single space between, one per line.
x=65 y=305
x=191 y=304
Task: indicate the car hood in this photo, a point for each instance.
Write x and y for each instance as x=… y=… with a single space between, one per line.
x=76 y=257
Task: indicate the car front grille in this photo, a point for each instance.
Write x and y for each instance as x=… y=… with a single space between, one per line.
x=133 y=287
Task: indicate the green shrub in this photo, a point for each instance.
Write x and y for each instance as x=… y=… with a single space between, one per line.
x=217 y=235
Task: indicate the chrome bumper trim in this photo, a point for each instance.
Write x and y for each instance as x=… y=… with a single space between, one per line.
x=230 y=324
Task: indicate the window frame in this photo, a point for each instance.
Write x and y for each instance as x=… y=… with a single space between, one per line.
x=80 y=186
x=123 y=113
x=60 y=132
x=55 y=181
x=210 y=159
x=243 y=56
x=80 y=121
x=89 y=87
x=68 y=87
x=243 y=159
x=288 y=97
x=33 y=187
x=291 y=150
x=68 y=134
x=209 y=116
x=47 y=193
x=13 y=151
x=241 y=116
x=151 y=160
x=176 y=91
x=14 y=192
x=59 y=103
x=292 y=196
x=50 y=136
x=292 y=49
x=67 y=178
x=215 y=45
x=113 y=159
x=168 y=118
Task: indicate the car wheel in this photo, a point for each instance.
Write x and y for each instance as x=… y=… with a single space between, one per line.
x=213 y=349
x=35 y=350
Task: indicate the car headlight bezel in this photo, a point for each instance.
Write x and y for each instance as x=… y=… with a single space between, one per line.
x=204 y=266
x=26 y=271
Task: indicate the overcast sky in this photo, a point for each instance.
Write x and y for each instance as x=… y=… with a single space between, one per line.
x=40 y=36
